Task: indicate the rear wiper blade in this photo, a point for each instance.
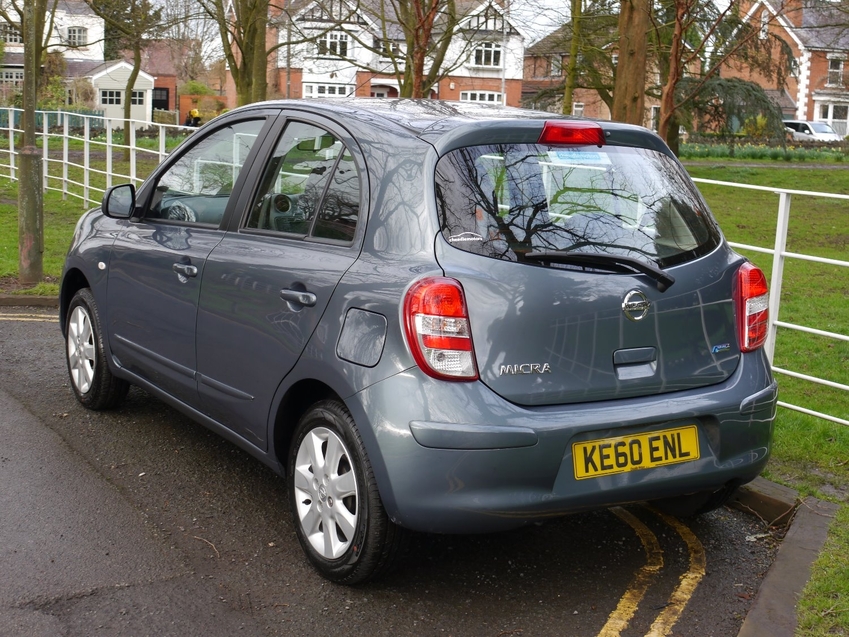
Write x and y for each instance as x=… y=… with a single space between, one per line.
x=611 y=262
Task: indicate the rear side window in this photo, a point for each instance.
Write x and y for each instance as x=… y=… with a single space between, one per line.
x=504 y=201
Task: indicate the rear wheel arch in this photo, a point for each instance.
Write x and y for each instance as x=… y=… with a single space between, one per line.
x=297 y=400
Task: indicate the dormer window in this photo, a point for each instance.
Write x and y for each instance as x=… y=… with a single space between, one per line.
x=77 y=36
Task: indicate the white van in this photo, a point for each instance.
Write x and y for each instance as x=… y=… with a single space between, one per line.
x=811 y=131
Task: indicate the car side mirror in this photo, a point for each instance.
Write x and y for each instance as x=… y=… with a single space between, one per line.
x=119 y=202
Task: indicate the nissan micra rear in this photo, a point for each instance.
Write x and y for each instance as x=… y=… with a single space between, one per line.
x=430 y=316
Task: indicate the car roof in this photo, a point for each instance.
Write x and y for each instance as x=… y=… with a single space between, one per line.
x=448 y=125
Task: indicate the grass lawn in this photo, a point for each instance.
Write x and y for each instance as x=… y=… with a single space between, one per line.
x=810 y=454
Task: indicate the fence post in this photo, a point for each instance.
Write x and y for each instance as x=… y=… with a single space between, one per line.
x=86 y=153
x=45 y=124
x=161 y=143
x=777 y=271
x=12 y=131
x=66 y=123
x=108 y=125
x=132 y=153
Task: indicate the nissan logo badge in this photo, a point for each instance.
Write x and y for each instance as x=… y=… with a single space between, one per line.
x=636 y=305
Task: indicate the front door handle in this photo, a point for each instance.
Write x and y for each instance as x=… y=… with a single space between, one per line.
x=300 y=297
x=185 y=269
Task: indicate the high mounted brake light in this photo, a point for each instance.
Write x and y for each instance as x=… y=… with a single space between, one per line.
x=751 y=300
x=572 y=133
x=437 y=327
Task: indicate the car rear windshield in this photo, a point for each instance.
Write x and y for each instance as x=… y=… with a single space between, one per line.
x=506 y=200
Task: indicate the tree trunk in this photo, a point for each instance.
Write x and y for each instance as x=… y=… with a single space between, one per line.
x=629 y=87
x=572 y=66
x=128 y=96
x=259 y=59
x=30 y=196
x=667 y=93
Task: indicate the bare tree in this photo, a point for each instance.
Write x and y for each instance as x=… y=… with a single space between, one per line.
x=418 y=41
x=191 y=36
x=35 y=18
x=697 y=38
x=243 y=30
x=136 y=21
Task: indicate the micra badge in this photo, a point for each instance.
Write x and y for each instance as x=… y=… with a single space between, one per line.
x=525 y=368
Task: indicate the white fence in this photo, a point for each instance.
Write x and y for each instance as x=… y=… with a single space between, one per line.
x=68 y=145
x=780 y=255
x=70 y=141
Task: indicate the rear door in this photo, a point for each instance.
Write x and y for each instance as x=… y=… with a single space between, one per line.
x=267 y=284
x=565 y=256
x=158 y=261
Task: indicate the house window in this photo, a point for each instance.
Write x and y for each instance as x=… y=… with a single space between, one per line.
x=138 y=98
x=556 y=66
x=488 y=54
x=387 y=49
x=77 y=36
x=836 y=115
x=10 y=33
x=489 y=20
x=614 y=60
x=12 y=78
x=480 y=96
x=108 y=97
x=333 y=43
x=330 y=11
x=835 y=72
x=764 y=31
x=327 y=90
x=655 y=117
x=578 y=109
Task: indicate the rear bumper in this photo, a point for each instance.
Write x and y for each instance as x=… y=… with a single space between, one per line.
x=456 y=458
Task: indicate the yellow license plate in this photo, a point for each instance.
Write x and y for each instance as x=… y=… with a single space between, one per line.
x=607 y=456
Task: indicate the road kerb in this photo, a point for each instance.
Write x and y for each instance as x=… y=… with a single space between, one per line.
x=773 y=613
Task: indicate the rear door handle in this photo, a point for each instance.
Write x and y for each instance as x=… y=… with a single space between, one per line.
x=301 y=297
x=185 y=269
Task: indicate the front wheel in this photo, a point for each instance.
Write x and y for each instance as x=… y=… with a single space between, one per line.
x=91 y=378
x=339 y=517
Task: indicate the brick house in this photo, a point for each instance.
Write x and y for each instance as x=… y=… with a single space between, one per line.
x=545 y=67
x=817 y=33
x=485 y=56
x=77 y=33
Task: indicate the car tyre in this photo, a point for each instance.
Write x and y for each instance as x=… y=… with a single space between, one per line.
x=338 y=514
x=693 y=504
x=91 y=379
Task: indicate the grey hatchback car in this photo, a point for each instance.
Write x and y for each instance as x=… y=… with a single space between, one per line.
x=430 y=316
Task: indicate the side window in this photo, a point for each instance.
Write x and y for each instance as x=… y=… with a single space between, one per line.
x=311 y=187
x=197 y=187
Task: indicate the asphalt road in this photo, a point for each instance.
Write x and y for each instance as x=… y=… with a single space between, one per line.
x=140 y=522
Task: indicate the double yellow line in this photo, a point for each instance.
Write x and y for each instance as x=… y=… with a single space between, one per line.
x=41 y=318
x=623 y=613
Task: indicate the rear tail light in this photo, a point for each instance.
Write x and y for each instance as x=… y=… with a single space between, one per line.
x=572 y=133
x=438 y=330
x=751 y=298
